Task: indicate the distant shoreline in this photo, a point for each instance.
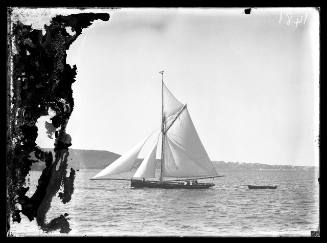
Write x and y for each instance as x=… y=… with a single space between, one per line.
x=99 y=159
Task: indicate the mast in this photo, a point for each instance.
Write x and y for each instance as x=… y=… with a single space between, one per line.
x=162 y=128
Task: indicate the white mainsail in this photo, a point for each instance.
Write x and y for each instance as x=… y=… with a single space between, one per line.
x=147 y=168
x=185 y=156
x=123 y=164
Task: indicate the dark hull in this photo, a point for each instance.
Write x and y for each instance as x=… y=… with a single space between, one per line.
x=262 y=187
x=169 y=185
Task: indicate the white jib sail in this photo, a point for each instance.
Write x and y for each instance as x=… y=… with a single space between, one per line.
x=123 y=164
x=170 y=103
x=185 y=156
x=147 y=168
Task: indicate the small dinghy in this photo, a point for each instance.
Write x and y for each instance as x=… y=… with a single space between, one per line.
x=261 y=187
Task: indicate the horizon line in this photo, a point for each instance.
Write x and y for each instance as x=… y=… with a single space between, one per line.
x=243 y=162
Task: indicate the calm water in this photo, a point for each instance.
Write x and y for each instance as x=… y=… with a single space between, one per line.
x=112 y=208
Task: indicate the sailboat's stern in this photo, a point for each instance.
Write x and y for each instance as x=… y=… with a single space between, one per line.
x=137 y=183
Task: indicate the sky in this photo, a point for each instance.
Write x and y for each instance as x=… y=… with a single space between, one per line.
x=251 y=82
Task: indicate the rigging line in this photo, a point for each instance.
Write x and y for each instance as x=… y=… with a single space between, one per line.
x=151 y=134
x=179 y=113
x=155 y=143
x=158 y=139
x=154 y=131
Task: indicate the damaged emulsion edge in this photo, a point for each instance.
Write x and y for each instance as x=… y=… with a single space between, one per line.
x=39 y=78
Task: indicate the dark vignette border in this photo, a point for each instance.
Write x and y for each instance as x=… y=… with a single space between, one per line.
x=97 y=3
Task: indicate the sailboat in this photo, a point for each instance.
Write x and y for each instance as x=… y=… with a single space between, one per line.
x=184 y=159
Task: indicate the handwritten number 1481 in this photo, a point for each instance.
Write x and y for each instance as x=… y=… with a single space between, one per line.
x=293 y=20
